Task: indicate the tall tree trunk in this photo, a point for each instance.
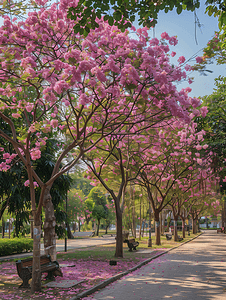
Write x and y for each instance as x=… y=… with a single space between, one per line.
x=175 y=228
x=197 y=224
x=157 y=229
x=36 y=268
x=183 y=227
x=134 y=222
x=168 y=223
x=69 y=233
x=106 y=229
x=9 y=227
x=193 y=226
x=49 y=226
x=140 y=222
x=119 y=241
x=144 y=223
x=98 y=227
x=79 y=226
x=3 y=227
x=74 y=226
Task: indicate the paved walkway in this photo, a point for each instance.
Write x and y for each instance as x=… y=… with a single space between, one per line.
x=196 y=270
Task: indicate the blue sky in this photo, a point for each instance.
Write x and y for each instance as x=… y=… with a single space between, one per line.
x=183 y=27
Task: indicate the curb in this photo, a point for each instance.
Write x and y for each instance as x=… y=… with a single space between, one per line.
x=118 y=276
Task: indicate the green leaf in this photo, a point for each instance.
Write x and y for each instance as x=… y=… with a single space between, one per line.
x=117 y=15
x=111 y=20
x=179 y=9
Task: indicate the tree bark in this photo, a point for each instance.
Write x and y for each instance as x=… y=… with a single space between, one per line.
x=49 y=226
x=36 y=268
x=157 y=229
x=168 y=223
x=98 y=227
x=106 y=229
x=134 y=222
x=193 y=226
x=175 y=228
x=183 y=227
x=3 y=227
x=119 y=241
x=69 y=233
x=140 y=222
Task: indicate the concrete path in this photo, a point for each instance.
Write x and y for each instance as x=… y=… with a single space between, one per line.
x=195 y=270
x=83 y=243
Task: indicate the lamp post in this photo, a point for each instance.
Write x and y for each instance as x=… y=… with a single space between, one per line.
x=65 y=241
x=149 y=238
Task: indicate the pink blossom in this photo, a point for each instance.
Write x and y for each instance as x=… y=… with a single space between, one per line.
x=16 y=115
x=165 y=36
x=199 y=59
x=173 y=53
x=83 y=99
x=181 y=59
x=54 y=123
x=35 y=154
x=173 y=40
x=199 y=161
x=203 y=111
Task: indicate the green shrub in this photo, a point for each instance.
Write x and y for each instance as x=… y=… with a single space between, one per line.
x=14 y=246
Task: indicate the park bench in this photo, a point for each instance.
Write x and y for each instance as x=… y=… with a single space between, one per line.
x=132 y=244
x=179 y=238
x=24 y=269
x=219 y=230
x=168 y=236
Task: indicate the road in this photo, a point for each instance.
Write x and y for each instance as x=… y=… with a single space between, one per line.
x=195 y=270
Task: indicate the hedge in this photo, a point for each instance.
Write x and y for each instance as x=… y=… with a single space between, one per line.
x=15 y=246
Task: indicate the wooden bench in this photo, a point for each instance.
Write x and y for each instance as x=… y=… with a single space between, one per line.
x=24 y=269
x=168 y=236
x=219 y=230
x=179 y=238
x=132 y=244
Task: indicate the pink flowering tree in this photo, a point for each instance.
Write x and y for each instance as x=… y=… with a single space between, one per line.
x=54 y=80
x=187 y=192
x=165 y=166
x=116 y=154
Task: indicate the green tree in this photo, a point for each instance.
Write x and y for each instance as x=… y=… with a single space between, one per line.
x=214 y=124
x=100 y=210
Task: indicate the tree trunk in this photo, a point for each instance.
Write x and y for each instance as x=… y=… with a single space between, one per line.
x=98 y=227
x=36 y=269
x=3 y=227
x=79 y=226
x=134 y=222
x=106 y=229
x=157 y=229
x=175 y=228
x=49 y=227
x=119 y=241
x=183 y=227
x=193 y=226
x=144 y=223
x=74 y=226
x=140 y=222
x=69 y=233
x=168 y=223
